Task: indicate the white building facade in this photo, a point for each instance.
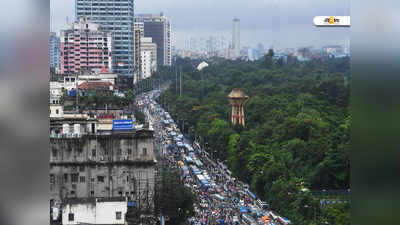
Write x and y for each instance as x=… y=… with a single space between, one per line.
x=146 y=64
x=148 y=53
x=55 y=92
x=56 y=111
x=94 y=211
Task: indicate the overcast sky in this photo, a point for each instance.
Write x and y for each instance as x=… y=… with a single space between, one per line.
x=277 y=23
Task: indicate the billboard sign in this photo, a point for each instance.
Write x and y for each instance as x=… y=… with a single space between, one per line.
x=122 y=124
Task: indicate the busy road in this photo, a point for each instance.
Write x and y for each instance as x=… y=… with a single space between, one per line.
x=223 y=198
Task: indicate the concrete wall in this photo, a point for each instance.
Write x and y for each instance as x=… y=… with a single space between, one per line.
x=101 y=149
x=94 y=212
x=101 y=166
x=56 y=111
x=117 y=180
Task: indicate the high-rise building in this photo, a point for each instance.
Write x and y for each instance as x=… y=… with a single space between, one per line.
x=138 y=30
x=236 y=38
x=148 y=51
x=333 y=50
x=54 y=47
x=251 y=54
x=140 y=27
x=84 y=47
x=158 y=27
x=115 y=16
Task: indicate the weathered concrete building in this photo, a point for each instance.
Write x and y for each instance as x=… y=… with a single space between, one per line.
x=102 y=211
x=89 y=162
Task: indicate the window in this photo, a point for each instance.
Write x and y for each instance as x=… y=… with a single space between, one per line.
x=65 y=177
x=129 y=151
x=93 y=152
x=100 y=179
x=92 y=193
x=82 y=179
x=70 y=217
x=144 y=151
x=119 y=151
x=74 y=178
x=81 y=168
x=54 y=152
x=52 y=179
x=57 y=111
x=118 y=215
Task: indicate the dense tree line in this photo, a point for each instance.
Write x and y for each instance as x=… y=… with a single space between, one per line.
x=172 y=199
x=297 y=129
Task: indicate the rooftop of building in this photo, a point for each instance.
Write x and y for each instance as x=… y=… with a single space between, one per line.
x=92 y=200
x=96 y=85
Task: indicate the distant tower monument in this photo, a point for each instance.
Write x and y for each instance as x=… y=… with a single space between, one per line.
x=237 y=98
x=236 y=38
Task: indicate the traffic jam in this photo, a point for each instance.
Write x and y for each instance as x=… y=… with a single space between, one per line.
x=223 y=199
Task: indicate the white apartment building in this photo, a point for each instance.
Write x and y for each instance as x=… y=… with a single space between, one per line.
x=148 y=53
x=55 y=92
x=158 y=27
x=146 y=64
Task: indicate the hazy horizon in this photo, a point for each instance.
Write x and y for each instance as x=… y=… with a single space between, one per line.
x=277 y=23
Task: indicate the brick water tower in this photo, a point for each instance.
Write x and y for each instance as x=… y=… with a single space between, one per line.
x=237 y=98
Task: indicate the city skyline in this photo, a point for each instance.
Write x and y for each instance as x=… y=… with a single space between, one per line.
x=273 y=23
